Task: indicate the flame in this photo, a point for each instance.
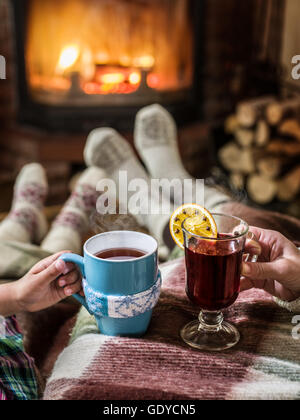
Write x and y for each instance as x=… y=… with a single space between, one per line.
x=112 y=78
x=115 y=43
x=68 y=58
x=135 y=78
x=145 y=61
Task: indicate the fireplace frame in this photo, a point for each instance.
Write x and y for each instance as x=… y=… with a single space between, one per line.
x=85 y=118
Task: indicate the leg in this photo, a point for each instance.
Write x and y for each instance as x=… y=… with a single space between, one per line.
x=108 y=150
x=26 y=222
x=73 y=222
x=156 y=141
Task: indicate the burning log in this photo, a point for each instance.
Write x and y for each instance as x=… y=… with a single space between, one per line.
x=250 y=111
x=277 y=111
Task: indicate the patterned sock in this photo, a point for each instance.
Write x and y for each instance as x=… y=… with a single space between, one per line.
x=106 y=149
x=73 y=222
x=26 y=221
x=155 y=139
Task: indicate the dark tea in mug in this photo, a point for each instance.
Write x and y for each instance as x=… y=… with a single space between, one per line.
x=120 y=254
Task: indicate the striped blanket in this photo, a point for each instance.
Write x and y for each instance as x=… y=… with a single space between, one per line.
x=264 y=365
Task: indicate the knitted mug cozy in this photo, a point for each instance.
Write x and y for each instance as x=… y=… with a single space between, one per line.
x=128 y=306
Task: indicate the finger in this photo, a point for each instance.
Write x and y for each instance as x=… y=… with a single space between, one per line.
x=253 y=247
x=73 y=288
x=272 y=243
x=45 y=263
x=260 y=271
x=246 y=284
x=68 y=279
x=51 y=273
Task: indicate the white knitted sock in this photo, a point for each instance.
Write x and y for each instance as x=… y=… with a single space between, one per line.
x=106 y=149
x=73 y=222
x=26 y=221
x=155 y=139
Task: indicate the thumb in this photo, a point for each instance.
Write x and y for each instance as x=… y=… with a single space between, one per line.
x=260 y=271
x=51 y=273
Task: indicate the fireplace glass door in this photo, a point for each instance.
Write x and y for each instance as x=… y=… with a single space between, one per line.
x=109 y=52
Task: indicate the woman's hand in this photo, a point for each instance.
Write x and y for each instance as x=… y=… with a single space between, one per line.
x=278 y=269
x=47 y=283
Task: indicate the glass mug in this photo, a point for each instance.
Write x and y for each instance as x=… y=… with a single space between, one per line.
x=213 y=269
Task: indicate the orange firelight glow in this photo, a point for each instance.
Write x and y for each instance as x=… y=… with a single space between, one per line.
x=89 y=47
x=68 y=58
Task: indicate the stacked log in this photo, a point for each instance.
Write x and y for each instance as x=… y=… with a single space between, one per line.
x=263 y=155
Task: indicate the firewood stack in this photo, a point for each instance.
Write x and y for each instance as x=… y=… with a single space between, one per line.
x=263 y=156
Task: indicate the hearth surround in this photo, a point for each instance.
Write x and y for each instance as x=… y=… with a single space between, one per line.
x=86 y=63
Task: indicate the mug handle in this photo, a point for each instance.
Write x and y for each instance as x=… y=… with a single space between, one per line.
x=253 y=258
x=79 y=261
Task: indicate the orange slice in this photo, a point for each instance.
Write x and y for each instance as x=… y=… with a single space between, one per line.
x=200 y=223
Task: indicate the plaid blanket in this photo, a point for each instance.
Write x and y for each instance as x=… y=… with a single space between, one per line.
x=264 y=365
x=17 y=371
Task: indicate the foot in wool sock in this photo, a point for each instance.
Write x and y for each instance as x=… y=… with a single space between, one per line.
x=155 y=138
x=73 y=222
x=106 y=149
x=26 y=221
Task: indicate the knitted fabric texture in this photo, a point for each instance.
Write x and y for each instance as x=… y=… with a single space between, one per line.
x=122 y=306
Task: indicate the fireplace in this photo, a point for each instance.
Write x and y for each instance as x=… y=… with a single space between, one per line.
x=86 y=63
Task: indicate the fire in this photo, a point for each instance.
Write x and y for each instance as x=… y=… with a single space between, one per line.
x=106 y=47
x=112 y=78
x=68 y=58
x=135 y=78
x=146 y=61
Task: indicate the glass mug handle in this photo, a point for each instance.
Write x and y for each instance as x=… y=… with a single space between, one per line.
x=248 y=257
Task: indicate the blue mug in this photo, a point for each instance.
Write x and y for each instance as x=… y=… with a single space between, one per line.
x=120 y=294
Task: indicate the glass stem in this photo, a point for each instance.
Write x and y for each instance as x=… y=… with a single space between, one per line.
x=210 y=321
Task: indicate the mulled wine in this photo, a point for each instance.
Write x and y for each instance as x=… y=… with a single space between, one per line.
x=213 y=272
x=120 y=254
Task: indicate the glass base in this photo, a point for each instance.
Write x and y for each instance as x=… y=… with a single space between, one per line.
x=198 y=336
